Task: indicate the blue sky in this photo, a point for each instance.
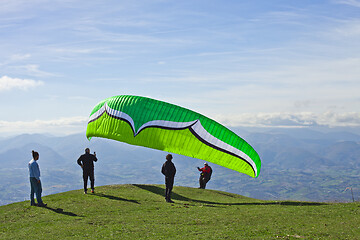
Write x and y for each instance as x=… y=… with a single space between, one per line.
x=244 y=63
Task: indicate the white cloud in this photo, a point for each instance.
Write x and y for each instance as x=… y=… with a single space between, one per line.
x=354 y=3
x=15 y=58
x=61 y=126
x=80 y=50
x=82 y=98
x=8 y=83
x=345 y=31
x=19 y=57
x=34 y=70
x=70 y=125
x=292 y=120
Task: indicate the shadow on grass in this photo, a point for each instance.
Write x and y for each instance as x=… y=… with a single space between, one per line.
x=61 y=211
x=114 y=198
x=175 y=196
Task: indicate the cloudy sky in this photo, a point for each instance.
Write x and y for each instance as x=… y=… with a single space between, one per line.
x=244 y=63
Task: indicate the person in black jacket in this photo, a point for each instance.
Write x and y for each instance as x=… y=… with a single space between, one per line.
x=86 y=161
x=169 y=170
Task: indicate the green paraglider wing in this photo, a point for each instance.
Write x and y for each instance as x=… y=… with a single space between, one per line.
x=155 y=124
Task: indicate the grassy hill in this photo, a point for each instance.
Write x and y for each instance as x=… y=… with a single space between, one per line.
x=140 y=212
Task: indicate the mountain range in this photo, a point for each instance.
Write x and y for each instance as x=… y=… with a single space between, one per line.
x=297 y=164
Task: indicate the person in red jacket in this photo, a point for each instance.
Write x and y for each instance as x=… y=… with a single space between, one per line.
x=205 y=175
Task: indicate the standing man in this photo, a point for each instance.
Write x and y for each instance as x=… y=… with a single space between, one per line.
x=169 y=170
x=205 y=175
x=86 y=162
x=35 y=183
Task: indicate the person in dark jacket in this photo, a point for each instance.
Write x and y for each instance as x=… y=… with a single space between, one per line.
x=205 y=175
x=169 y=170
x=86 y=161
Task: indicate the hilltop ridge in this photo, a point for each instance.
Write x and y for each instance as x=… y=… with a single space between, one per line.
x=137 y=211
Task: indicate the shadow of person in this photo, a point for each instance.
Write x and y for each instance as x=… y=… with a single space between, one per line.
x=175 y=196
x=161 y=191
x=61 y=211
x=115 y=198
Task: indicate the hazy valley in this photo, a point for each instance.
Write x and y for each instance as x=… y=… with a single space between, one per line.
x=297 y=164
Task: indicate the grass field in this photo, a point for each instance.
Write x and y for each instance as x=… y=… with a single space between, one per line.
x=140 y=212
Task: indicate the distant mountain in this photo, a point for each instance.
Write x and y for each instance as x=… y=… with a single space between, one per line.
x=345 y=154
x=297 y=164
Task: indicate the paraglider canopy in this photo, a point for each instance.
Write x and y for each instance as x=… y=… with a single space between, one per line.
x=160 y=125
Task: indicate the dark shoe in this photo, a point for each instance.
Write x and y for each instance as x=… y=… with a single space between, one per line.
x=169 y=201
x=42 y=205
x=85 y=192
x=34 y=204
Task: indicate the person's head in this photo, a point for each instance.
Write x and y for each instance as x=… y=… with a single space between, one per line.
x=206 y=164
x=35 y=155
x=169 y=157
x=87 y=150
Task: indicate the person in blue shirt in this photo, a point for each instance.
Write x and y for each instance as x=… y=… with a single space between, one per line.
x=35 y=183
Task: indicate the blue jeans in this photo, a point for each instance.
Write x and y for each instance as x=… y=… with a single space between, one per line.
x=37 y=189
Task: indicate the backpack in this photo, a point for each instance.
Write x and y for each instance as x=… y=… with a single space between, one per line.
x=210 y=172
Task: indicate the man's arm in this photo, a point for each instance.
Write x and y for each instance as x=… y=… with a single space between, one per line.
x=36 y=171
x=79 y=161
x=163 y=169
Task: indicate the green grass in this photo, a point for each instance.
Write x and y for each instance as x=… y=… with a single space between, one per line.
x=140 y=212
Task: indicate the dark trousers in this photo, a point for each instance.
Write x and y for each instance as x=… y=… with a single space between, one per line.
x=35 y=189
x=169 y=183
x=87 y=175
x=202 y=181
